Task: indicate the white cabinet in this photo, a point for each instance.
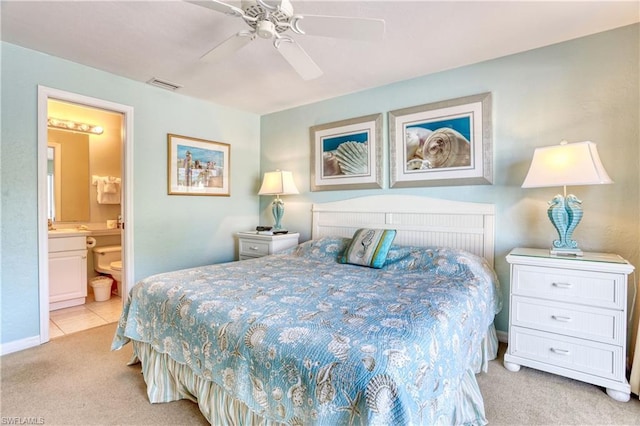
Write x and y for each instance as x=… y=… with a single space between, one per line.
x=568 y=316
x=67 y=271
x=252 y=245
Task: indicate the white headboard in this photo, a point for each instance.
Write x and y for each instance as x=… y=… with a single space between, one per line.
x=419 y=221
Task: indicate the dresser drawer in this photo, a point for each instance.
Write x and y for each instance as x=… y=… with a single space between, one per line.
x=602 y=325
x=583 y=356
x=570 y=285
x=253 y=248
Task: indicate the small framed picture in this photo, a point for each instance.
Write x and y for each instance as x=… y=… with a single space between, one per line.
x=443 y=143
x=347 y=154
x=198 y=166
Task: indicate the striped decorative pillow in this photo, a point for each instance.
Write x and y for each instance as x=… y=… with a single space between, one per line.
x=369 y=247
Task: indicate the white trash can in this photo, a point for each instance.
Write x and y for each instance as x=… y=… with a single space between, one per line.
x=101 y=288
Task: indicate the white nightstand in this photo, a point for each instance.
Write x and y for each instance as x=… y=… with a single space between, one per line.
x=252 y=244
x=568 y=316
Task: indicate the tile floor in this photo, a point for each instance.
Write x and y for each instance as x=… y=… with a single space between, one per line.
x=78 y=318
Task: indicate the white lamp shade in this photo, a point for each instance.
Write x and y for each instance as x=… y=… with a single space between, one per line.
x=278 y=183
x=567 y=164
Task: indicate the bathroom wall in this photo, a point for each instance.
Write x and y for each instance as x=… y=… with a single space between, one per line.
x=105 y=152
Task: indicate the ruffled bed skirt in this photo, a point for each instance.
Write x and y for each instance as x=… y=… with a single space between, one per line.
x=168 y=380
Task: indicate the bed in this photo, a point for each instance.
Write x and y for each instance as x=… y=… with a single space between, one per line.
x=300 y=338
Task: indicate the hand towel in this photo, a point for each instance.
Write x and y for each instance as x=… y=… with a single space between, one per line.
x=110 y=185
x=108 y=189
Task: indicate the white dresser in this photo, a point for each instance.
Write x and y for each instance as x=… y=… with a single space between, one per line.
x=252 y=244
x=568 y=316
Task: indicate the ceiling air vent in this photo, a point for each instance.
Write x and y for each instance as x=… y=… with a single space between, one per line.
x=164 y=84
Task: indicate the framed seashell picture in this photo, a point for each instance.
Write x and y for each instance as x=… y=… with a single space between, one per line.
x=197 y=166
x=347 y=154
x=442 y=143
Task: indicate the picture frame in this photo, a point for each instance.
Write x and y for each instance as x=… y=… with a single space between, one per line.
x=347 y=154
x=442 y=143
x=197 y=166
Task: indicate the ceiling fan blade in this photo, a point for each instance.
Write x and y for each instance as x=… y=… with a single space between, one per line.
x=218 y=6
x=298 y=58
x=369 y=29
x=228 y=47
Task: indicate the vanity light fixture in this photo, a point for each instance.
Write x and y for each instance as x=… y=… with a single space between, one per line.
x=74 y=126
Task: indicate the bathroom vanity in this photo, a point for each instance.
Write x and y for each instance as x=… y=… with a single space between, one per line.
x=67 y=268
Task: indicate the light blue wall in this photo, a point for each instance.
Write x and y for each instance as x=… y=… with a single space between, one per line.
x=170 y=231
x=586 y=89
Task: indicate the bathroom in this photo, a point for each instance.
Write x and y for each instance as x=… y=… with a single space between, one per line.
x=79 y=163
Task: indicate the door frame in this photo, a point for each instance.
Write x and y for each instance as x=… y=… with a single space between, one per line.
x=44 y=94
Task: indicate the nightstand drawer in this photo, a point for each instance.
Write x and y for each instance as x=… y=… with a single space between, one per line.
x=570 y=285
x=579 y=355
x=253 y=247
x=602 y=325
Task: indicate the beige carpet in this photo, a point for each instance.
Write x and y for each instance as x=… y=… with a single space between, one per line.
x=532 y=397
x=77 y=380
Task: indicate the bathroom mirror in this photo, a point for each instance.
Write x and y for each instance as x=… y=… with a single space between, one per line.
x=68 y=180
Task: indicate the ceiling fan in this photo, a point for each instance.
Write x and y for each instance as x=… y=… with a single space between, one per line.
x=271 y=19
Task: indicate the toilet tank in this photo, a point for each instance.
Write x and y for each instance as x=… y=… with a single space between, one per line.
x=103 y=256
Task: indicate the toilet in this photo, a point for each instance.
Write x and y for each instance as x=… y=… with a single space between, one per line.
x=108 y=260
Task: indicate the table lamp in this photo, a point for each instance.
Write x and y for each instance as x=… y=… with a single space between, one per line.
x=278 y=183
x=562 y=165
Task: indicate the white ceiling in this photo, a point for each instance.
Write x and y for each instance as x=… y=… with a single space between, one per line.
x=165 y=39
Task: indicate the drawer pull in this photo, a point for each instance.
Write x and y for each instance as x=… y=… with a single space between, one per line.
x=562 y=285
x=560 y=351
x=561 y=318
x=254 y=248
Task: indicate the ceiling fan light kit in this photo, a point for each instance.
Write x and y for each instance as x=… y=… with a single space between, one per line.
x=265 y=29
x=269 y=19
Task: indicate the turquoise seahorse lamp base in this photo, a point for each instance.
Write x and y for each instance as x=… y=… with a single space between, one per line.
x=565 y=213
x=277 y=208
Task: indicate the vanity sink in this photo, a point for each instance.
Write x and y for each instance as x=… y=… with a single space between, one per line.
x=67 y=232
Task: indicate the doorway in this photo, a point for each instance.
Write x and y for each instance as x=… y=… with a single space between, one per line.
x=45 y=95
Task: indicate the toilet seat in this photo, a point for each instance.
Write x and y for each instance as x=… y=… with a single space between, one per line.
x=115 y=270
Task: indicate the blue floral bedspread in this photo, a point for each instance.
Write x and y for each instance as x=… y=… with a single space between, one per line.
x=302 y=339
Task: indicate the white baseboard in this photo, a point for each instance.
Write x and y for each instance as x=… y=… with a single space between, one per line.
x=19 y=345
x=503 y=336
